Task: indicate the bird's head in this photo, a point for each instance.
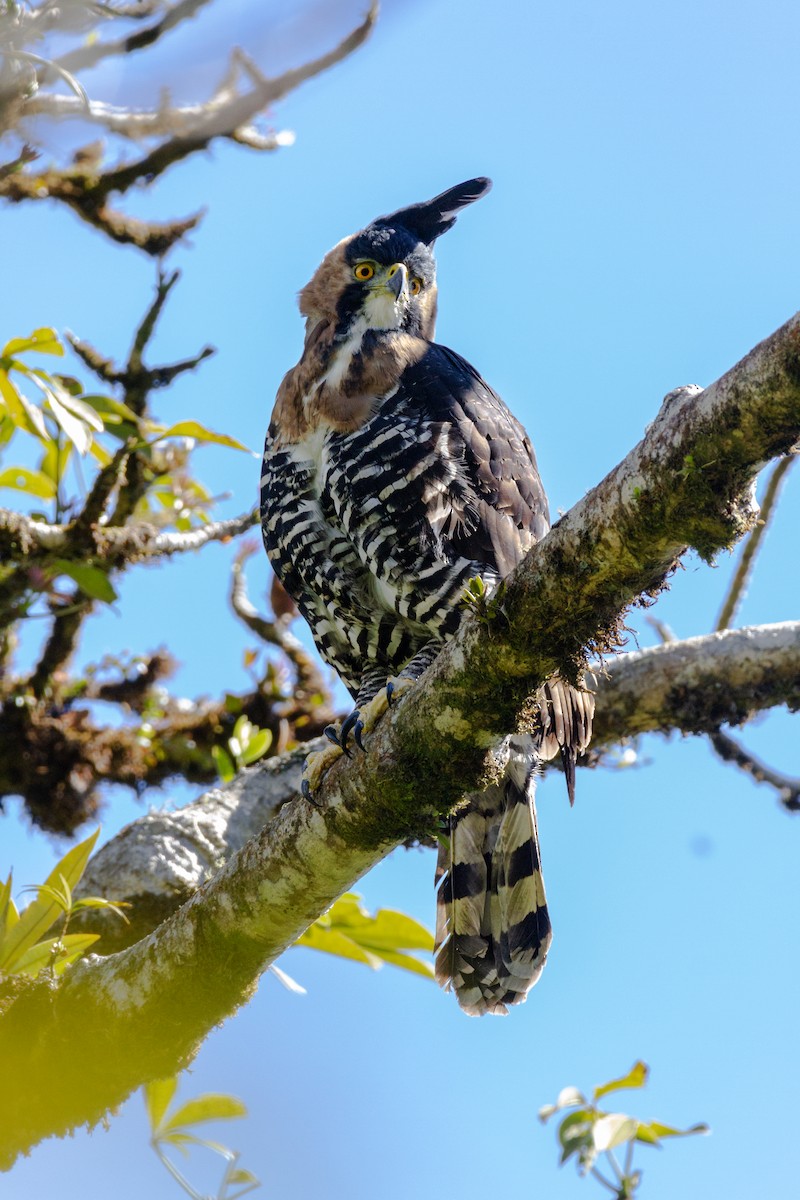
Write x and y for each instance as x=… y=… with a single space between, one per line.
x=385 y=275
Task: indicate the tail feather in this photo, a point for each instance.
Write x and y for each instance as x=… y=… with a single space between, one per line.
x=492 y=925
x=492 y=936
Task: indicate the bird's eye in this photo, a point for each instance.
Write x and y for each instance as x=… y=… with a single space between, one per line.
x=364 y=271
x=416 y=286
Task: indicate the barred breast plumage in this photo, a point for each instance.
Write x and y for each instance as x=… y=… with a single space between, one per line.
x=393 y=475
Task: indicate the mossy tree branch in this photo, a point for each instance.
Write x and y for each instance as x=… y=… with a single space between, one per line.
x=139 y=1014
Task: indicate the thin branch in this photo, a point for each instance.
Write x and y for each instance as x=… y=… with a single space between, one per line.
x=61 y=643
x=753 y=543
x=729 y=750
x=310 y=680
x=224 y=119
x=113 y=545
x=90 y=55
x=138 y=124
x=99 y=494
x=144 y=333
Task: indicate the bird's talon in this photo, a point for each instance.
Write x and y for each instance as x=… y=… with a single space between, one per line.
x=305 y=792
x=332 y=735
x=357 y=731
x=348 y=725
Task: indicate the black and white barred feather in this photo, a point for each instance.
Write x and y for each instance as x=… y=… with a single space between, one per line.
x=393 y=475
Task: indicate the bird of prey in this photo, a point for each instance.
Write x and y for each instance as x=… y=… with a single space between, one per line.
x=393 y=477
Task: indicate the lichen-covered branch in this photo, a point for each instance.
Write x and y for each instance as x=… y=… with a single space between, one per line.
x=696 y=685
x=112 y=545
x=178 y=131
x=691 y=686
x=138 y=1014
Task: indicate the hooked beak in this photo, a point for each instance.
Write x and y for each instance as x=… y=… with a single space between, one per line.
x=397 y=282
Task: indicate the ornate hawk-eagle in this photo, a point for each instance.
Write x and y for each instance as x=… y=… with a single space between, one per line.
x=393 y=475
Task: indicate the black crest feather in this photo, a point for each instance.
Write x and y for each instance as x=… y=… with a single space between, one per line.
x=430 y=219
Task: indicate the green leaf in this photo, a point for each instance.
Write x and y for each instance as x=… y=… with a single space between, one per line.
x=110 y=410
x=70 y=947
x=243 y=730
x=41 y=913
x=92 y=581
x=55 y=460
x=575 y=1135
x=240 y=1175
x=59 y=892
x=258 y=745
x=7 y=909
x=74 y=428
x=99 y=453
x=349 y=931
x=407 y=962
x=43 y=341
x=182 y=1140
x=636 y=1078
x=101 y=902
x=35 y=483
x=157 y=1097
x=194 y=429
x=20 y=410
x=212 y=1106
x=331 y=941
x=653 y=1131
x=612 y=1130
x=224 y=764
x=79 y=408
x=391 y=930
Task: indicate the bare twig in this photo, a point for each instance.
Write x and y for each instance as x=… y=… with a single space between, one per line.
x=729 y=750
x=753 y=543
x=310 y=679
x=90 y=55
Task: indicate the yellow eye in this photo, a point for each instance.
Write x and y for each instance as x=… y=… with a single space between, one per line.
x=364 y=271
x=416 y=286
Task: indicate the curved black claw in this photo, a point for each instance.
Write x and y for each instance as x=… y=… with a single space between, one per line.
x=305 y=792
x=352 y=724
x=332 y=735
x=390 y=691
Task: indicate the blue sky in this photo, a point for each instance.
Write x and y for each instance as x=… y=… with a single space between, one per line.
x=641 y=234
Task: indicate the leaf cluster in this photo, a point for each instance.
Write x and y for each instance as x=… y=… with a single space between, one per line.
x=587 y=1131
x=349 y=931
x=175 y=1130
x=23 y=950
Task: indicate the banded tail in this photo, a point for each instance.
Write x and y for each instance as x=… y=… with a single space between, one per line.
x=492 y=925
